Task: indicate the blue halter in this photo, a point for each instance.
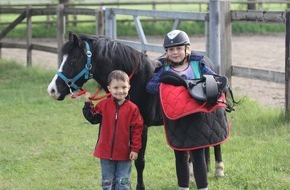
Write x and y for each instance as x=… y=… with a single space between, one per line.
x=85 y=72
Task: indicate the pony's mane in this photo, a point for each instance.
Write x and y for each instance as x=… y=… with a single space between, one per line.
x=109 y=51
x=115 y=54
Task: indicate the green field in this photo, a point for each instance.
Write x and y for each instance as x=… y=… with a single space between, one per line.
x=47 y=144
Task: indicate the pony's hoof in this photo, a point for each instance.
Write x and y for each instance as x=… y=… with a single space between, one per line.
x=219 y=169
x=140 y=187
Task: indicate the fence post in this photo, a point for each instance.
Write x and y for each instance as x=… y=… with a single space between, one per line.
x=100 y=21
x=226 y=39
x=0 y=50
x=28 y=37
x=206 y=26
x=214 y=37
x=154 y=9
x=110 y=24
x=60 y=31
x=287 y=63
x=251 y=5
x=48 y=21
x=75 y=17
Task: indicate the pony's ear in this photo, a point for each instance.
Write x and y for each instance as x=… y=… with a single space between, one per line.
x=75 y=39
x=70 y=36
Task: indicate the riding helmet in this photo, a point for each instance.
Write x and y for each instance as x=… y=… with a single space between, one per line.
x=176 y=38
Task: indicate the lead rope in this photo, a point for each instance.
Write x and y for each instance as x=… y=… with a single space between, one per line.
x=79 y=93
x=94 y=97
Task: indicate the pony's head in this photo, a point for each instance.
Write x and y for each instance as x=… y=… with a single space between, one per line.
x=89 y=56
x=75 y=68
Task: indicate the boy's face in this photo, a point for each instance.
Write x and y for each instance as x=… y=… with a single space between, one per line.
x=119 y=89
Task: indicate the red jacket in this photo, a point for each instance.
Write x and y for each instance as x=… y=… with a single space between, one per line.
x=121 y=128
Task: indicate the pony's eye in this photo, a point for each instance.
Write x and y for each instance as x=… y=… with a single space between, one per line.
x=73 y=62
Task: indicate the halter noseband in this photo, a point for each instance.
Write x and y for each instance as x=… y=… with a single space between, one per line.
x=85 y=72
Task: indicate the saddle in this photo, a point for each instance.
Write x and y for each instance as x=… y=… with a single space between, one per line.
x=209 y=88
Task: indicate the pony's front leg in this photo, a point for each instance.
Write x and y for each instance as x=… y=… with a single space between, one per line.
x=219 y=165
x=140 y=162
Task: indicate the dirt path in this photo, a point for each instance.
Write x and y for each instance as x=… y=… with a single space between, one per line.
x=267 y=52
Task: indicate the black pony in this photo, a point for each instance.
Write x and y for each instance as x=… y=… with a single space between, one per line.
x=88 y=56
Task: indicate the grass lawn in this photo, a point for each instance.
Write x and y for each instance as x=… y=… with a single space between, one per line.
x=47 y=144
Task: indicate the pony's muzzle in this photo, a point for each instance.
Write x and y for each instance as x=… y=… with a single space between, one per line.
x=52 y=91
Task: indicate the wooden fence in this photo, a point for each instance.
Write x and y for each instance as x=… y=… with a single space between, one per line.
x=228 y=17
x=153 y=3
x=201 y=6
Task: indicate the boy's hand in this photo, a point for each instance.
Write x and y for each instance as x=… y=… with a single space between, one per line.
x=87 y=96
x=133 y=155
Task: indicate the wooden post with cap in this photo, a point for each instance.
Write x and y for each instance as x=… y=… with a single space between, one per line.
x=287 y=62
x=60 y=31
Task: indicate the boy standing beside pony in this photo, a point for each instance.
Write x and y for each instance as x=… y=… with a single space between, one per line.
x=120 y=132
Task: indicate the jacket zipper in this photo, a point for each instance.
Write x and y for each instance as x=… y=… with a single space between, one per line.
x=115 y=128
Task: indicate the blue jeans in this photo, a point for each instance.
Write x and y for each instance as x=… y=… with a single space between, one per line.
x=116 y=174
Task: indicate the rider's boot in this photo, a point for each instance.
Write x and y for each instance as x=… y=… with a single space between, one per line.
x=183 y=188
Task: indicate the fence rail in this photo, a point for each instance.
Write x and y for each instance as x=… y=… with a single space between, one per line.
x=265 y=75
x=259 y=16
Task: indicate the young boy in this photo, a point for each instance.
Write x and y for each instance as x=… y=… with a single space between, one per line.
x=120 y=132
